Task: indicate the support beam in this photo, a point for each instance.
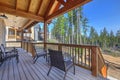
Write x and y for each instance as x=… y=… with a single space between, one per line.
x=29 y=5
x=20 y=13
x=49 y=8
x=39 y=7
x=32 y=24
x=57 y=7
x=45 y=34
x=63 y=10
x=22 y=37
x=27 y=24
x=62 y=2
x=15 y=34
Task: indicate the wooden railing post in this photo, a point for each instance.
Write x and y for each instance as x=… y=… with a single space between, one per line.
x=94 y=61
x=45 y=34
x=59 y=47
x=22 y=39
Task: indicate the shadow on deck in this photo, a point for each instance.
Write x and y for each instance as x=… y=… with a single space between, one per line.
x=26 y=70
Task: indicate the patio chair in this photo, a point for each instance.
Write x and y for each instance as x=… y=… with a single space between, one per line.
x=57 y=60
x=9 y=54
x=5 y=50
x=1 y=58
x=39 y=53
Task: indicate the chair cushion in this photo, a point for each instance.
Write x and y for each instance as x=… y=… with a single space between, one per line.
x=68 y=64
x=41 y=53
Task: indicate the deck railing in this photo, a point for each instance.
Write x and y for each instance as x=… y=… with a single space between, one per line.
x=82 y=53
x=86 y=56
x=13 y=44
x=11 y=36
x=102 y=66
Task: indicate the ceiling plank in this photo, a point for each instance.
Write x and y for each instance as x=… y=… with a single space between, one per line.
x=57 y=7
x=29 y=5
x=67 y=8
x=16 y=4
x=12 y=11
x=26 y=24
x=62 y=2
x=49 y=8
x=39 y=7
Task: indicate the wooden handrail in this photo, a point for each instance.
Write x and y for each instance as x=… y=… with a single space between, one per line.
x=82 y=53
x=102 y=67
x=13 y=43
x=73 y=45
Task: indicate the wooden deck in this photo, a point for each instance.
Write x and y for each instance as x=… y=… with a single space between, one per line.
x=26 y=70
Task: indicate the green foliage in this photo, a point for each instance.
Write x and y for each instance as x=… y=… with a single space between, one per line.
x=73 y=27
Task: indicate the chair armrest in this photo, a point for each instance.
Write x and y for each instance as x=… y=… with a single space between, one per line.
x=9 y=50
x=68 y=57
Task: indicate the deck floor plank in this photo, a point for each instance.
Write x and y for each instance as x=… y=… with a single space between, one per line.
x=30 y=70
x=2 y=69
x=42 y=69
x=36 y=75
x=52 y=73
x=26 y=70
x=6 y=71
x=16 y=71
x=11 y=71
x=21 y=70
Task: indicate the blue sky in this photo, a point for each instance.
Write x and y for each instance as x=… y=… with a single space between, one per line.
x=103 y=13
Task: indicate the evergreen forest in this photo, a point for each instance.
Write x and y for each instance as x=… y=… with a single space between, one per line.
x=73 y=28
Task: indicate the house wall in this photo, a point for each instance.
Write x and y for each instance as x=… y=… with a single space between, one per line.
x=2 y=31
x=7 y=35
x=32 y=34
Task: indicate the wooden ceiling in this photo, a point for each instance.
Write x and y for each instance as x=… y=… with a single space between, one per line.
x=15 y=21
x=35 y=11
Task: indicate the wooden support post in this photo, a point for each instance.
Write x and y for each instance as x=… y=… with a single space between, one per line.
x=45 y=34
x=15 y=34
x=22 y=39
x=94 y=61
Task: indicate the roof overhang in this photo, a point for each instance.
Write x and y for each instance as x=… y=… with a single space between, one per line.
x=38 y=10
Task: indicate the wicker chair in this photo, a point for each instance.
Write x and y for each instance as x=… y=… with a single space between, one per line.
x=8 y=54
x=57 y=60
x=39 y=53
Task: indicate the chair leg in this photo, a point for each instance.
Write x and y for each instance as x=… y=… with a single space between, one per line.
x=35 y=59
x=49 y=70
x=46 y=58
x=65 y=75
x=17 y=58
x=74 y=69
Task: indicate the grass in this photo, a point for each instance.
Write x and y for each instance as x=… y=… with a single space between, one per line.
x=112 y=52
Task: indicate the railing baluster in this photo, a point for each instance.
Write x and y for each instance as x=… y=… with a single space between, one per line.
x=85 y=56
x=81 y=56
x=78 y=56
x=70 y=51
x=89 y=58
x=75 y=52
